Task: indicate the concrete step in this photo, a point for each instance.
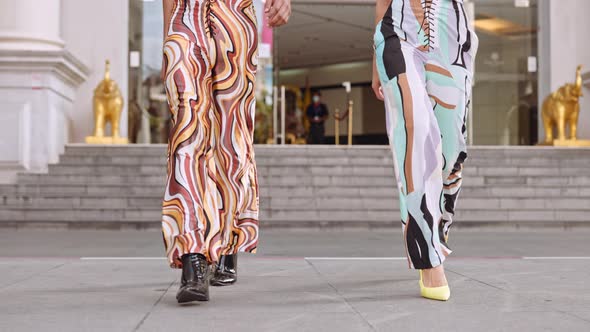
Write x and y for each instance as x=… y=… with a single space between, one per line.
x=279 y=204
x=114 y=186
x=81 y=190
x=351 y=170
x=295 y=191
x=135 y=179
x=300 y=217
x=303 y=159
x=272 y=161
x=489 y=156
x=309 y=179
x=358 y=150
x=348 y=170
x=463 y=216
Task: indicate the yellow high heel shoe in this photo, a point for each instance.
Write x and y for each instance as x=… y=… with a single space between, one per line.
x=441 y=293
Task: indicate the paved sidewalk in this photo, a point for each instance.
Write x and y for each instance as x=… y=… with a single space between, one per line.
x=301 y=281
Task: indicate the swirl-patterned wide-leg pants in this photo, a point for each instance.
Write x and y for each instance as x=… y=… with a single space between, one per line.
x=211 y=200
x=425 y=52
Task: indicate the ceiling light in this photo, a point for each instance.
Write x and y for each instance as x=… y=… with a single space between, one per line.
x=501 y=27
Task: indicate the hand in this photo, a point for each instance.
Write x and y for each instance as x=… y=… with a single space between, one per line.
x=277 y=12
x=376 y=85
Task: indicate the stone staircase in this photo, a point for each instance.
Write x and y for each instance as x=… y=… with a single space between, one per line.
x=304 y=186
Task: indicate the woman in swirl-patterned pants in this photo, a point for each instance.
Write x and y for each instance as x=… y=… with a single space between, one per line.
x=210 y=208
x=424 y=59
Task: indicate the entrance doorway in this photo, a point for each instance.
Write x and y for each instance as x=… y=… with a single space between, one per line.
x=329 y=42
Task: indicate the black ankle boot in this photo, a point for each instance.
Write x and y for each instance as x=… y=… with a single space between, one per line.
x=194 y=283
x=226 y=272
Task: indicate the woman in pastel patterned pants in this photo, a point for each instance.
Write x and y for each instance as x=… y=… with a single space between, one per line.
x=424 y=57
x=210 y=208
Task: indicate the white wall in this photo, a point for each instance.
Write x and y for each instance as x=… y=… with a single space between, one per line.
x=95 y=31
x=564 y=47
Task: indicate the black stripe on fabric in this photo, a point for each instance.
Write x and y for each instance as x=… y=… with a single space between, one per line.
x=441 y=233
x=401 y=24
x=393 y=57
x=441 y=199
x=460 y=59
x=430 y=221
x=387 y=24
x=467 y=44
x=454 y=182
x=401 y=92
x=460 y=160
x=467 y=106
x=417 y=245
x=450 y=202
x=458 y=15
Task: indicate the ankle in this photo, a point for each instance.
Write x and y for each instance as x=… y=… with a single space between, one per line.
x=434 y=277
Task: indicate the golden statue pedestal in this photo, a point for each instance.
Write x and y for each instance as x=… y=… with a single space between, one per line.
x=106 y=140
x=572 y=142
x=561 y=109
x=108 y=107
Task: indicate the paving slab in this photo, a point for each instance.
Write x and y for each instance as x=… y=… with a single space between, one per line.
x=502 y=280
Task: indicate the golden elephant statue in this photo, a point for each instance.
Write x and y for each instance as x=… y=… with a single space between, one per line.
x=561 y=109
x=108 y=106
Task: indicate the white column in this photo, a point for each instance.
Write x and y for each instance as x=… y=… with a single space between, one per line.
x=30 y=25
x=38 y=80
x=563 y=28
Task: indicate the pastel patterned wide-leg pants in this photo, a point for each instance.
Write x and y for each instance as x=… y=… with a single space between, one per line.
x=424 y=53
x=211 y=200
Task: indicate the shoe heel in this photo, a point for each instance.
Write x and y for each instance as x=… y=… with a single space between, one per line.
x=186 y=296
x=442 y=293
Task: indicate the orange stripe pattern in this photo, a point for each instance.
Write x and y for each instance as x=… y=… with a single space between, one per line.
x=211 y=201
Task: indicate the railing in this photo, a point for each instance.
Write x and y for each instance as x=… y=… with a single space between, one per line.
x=282 y=101
x=338 y=118
x=279 y=105
x=348 y=114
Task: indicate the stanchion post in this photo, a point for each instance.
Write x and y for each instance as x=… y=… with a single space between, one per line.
x=283 y=114
x=350 y=122
x=337 y=127
x=275 y=120
x=348 y=86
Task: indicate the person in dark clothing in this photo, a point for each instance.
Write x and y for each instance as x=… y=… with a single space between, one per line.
x=317 y=113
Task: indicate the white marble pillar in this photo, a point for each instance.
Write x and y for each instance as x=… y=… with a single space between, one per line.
x=38 y=80
x=563 y=31
x=30 y=25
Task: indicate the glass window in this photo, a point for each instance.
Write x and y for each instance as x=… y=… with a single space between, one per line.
x=149 y=119
x=504 y=106
x=504 y=110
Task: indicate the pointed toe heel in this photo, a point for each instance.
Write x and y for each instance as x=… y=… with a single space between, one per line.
x=442 y=293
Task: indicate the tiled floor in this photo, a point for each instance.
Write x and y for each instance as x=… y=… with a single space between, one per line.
x=301 y=281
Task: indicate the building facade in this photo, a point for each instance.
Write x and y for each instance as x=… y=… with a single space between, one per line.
x=52 y=56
